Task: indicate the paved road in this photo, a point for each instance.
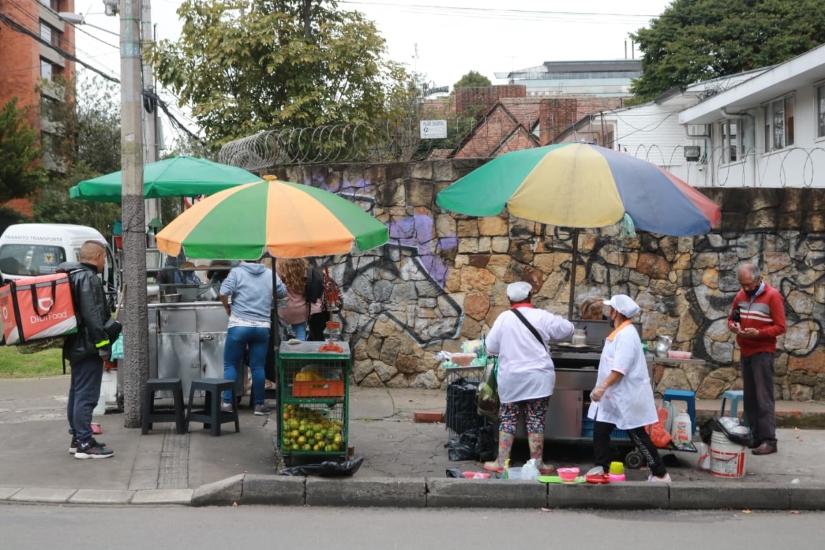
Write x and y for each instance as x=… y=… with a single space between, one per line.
x=72 y=528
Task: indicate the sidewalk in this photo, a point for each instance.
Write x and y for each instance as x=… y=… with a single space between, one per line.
x=405 y=462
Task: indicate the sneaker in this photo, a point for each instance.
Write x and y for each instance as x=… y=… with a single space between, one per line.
x=90 y=450
x=74 y=444
x=654 y=479
x=227 y=408
x=262 y=410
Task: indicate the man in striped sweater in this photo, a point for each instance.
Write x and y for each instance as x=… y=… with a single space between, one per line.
x=757 y=318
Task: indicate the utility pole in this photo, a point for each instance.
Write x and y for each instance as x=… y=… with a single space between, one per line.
x=135 y=310
x=150 y=107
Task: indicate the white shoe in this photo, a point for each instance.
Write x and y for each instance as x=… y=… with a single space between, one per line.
x=654 y=479
x=226 y=407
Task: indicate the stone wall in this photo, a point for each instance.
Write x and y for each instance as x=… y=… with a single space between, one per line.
x=443 y=277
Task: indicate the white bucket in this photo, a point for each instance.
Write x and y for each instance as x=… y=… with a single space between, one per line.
x=727 y=459
x=108 y=392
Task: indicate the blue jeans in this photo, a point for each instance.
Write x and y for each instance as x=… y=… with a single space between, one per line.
x=300 y=331
x=84 y=393
x=238 y=339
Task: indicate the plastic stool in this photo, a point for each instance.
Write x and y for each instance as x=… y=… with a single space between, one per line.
x=152 y=415
x=688 y=397
x=735 y=397
x=211 y=416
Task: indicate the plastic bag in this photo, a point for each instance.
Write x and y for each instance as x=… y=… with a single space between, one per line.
x=487 y=399
x=530 y=470
x=455 y=473
x=658 y=434
x=327 y=469
x=739 y=434
x=476 y=444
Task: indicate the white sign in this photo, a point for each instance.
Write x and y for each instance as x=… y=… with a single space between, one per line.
x=433 y=129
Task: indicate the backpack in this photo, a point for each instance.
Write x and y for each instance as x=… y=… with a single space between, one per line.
x=323 y=287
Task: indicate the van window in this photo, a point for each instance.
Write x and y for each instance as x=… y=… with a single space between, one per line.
x=30 y=259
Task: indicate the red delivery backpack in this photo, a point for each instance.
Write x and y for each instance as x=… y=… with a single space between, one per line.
x=37 y=308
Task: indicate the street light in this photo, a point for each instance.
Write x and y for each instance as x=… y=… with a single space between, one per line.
x=77 y=19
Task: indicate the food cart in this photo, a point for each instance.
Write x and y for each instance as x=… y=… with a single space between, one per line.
x=577 y=368
x=313 y=399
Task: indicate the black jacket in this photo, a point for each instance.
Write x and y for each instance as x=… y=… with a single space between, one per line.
x=91 y=310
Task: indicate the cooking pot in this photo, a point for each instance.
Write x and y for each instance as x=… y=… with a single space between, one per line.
x=168 y=298
x=662 y=346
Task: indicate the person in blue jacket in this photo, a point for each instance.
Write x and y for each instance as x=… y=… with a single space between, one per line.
x=250 y=288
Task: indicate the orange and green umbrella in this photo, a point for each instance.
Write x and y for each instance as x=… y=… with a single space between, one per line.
x=288 y=220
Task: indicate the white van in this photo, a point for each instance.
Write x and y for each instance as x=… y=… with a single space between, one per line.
x=32 y=249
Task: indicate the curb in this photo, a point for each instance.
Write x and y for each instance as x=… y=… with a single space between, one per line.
x=440 y=493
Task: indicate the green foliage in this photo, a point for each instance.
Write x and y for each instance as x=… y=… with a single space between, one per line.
x=20 y=173
x=696 y=40
x=55 y=206
x=89 y=123
x=473 y=79
x=246 y=66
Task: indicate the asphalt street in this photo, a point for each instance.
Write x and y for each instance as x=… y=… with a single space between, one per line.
x=76 y=528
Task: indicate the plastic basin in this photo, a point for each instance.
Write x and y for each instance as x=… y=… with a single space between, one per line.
x=568 y=474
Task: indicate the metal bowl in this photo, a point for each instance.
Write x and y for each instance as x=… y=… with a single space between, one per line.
x=169 y=298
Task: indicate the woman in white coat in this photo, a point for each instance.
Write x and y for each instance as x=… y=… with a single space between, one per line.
x=623 y=396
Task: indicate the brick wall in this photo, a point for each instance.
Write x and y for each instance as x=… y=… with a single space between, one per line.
x=554 y=116
x=477 y=101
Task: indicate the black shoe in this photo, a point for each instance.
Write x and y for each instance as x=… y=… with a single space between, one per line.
x=766 y=448
x=73 y=446
x=90 y=450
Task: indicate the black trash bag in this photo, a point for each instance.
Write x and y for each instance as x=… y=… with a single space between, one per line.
x=713 y=425
x=461 y=406
x=475 y=444
x=455 y=472
x=329 y=468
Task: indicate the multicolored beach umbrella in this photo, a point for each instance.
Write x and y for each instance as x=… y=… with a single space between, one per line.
x=580 y=185
x=173 y=177
x=287 y=219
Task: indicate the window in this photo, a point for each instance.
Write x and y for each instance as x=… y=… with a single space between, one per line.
x=46 y=69
x=30 y=259
x=49 y=34
x=737 y=138
x=820 y=111
x=50 y=4
x=779 y=123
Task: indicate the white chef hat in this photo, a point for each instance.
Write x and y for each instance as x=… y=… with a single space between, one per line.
x=518 y=292
x=624 y=304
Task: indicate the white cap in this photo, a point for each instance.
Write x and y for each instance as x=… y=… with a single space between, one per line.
x=624 y=304
x=519 y=291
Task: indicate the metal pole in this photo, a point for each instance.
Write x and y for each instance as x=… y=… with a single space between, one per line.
x=150 y=128
x=135 y=310
x=573 y=274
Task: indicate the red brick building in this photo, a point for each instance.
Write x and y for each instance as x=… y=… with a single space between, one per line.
x=32 y=37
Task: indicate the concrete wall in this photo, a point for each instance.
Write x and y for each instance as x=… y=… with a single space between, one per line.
x=443 y=277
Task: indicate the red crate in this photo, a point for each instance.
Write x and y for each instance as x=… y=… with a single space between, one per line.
x=318 y=388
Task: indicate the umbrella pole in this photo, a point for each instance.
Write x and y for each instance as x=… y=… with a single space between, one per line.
x=573 y=274
x=275 y=332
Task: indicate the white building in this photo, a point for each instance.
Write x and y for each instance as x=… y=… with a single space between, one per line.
x=652 y=131
x=767 y=131
x=611 y=78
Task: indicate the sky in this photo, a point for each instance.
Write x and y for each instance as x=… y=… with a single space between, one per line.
x=451 y=37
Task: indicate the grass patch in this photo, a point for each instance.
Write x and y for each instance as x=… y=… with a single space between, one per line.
x=14 y=364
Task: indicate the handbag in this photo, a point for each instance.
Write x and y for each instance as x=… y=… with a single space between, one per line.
x=530 y=327
x=487 y=401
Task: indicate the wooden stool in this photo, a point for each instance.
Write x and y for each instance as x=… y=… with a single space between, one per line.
x=211 y=415
x=152 y=415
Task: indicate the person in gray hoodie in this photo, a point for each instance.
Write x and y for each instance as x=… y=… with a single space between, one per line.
x=250 y=287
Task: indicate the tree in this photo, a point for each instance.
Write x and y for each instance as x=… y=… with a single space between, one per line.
x=20 y=172
x=695 y=40
x=473 y=79
x=89 y=126
x=245 y=67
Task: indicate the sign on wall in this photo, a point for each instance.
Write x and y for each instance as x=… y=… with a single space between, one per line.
x=433 y=129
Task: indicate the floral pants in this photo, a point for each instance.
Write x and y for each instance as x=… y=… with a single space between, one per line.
x=535 y=413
